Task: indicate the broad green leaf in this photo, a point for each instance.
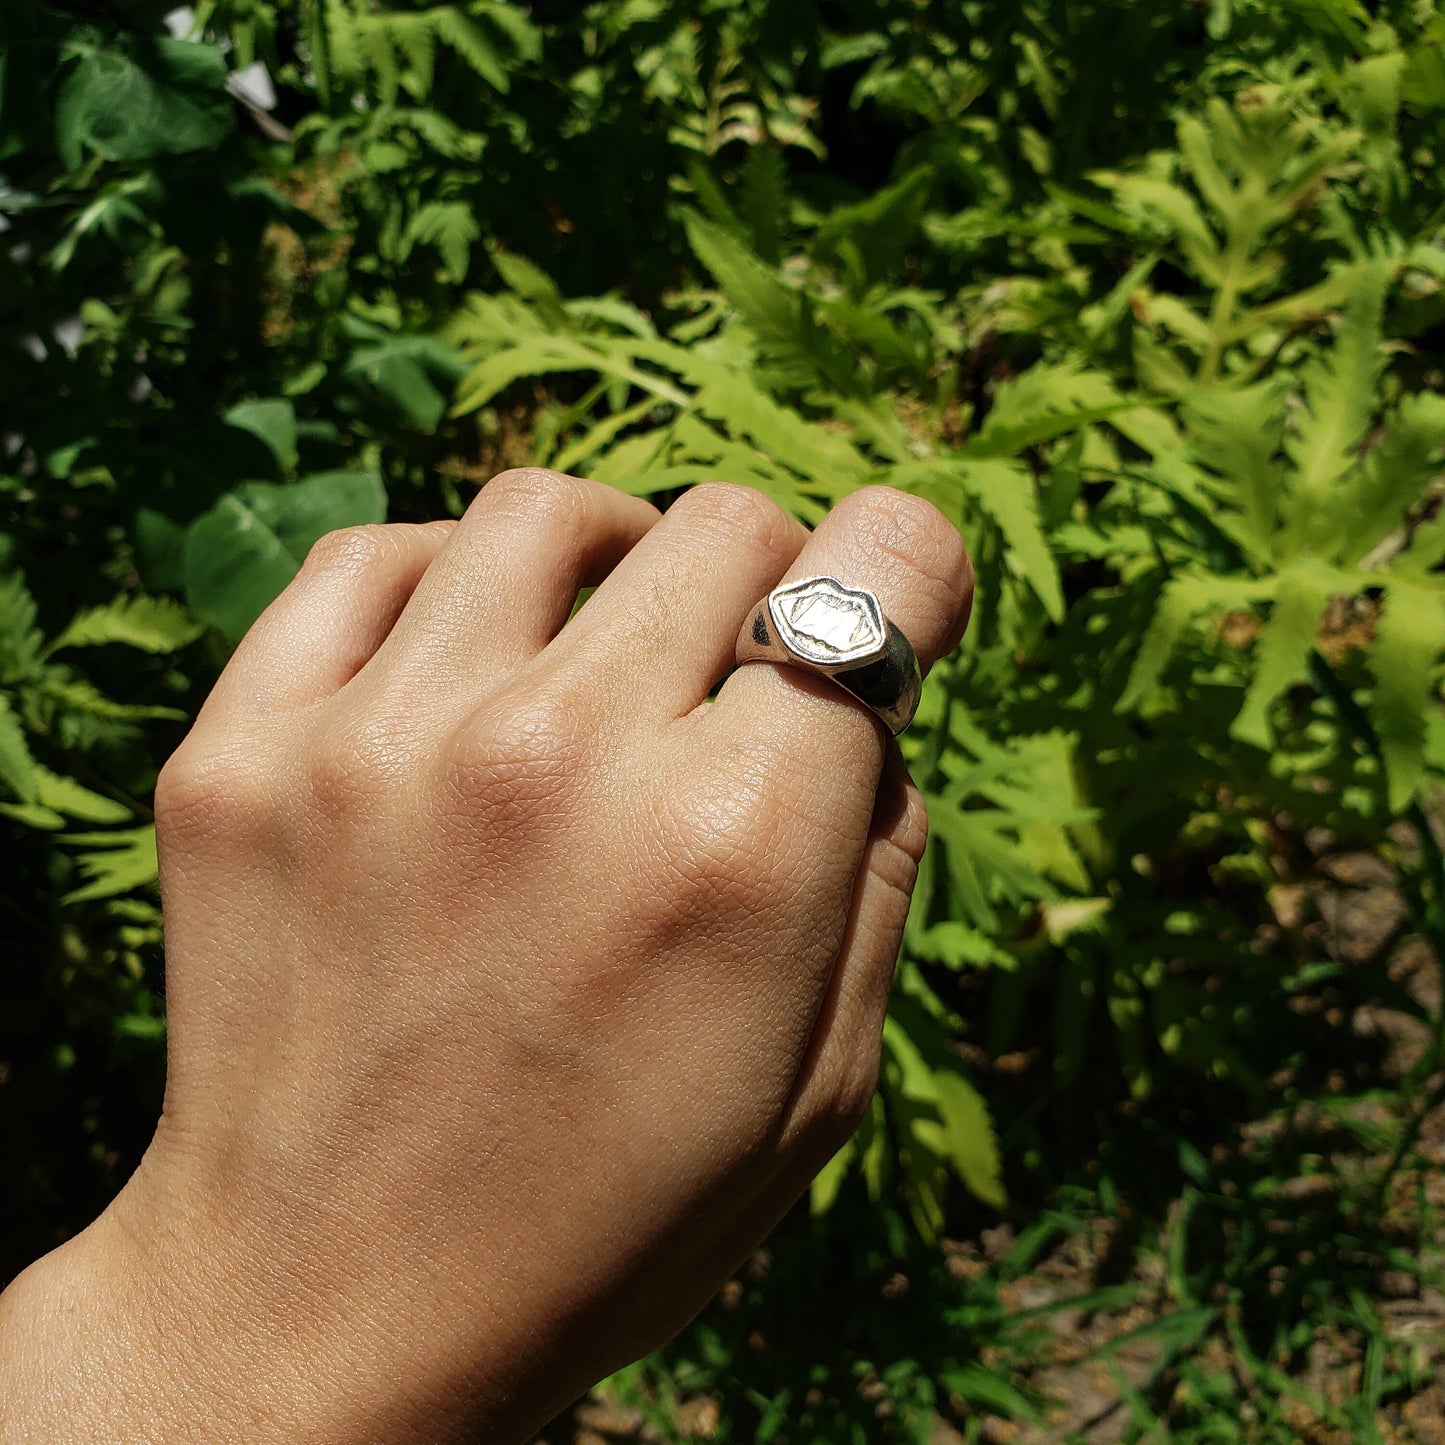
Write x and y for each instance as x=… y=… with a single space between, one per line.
x=983 y=1389
x=153 y=624
x=130 y=98
x=273 y=421
x=1409 y=638
x=823 y=1192
x=407 y=377
x=243 y=552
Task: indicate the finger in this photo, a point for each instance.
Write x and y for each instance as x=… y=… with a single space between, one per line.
x=660 y=632
x=840 y=1071
x=315 y=637
x=911 y=557
x=505 y=583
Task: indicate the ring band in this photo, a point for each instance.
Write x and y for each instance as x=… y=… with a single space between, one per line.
x=825 y=627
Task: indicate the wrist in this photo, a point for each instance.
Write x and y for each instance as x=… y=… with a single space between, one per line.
x=120 y=1336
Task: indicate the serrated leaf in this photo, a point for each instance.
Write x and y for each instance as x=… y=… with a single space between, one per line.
x=768 y=306
x=1395 y=476
x=17 y=766
x=1182 y=601
x=64 y=795
x=1339 y=395
x=113 y=863
x=449 y=226
x=21 y=641
x=1042 y=403
x=1409 y=638
x=153 y=624
x=1005 y=493
x=1281 y=654
x=969 y=1138
x=1237 y=431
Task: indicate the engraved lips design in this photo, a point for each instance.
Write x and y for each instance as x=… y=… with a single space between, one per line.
x=826 y=622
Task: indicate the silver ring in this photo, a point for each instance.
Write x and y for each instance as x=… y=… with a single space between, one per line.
x=823 y=626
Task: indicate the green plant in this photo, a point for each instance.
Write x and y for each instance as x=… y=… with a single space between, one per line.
x=1148 y=302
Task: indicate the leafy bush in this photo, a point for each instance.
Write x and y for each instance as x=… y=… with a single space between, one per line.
x=1149 y=304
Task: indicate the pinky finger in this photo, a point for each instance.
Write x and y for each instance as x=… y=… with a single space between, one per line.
x=836 y=1083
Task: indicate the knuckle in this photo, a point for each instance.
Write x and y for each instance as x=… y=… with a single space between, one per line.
x=914 y=533
x=721 y=853
x=350 y=550
x=351 y=766
x=520 y=761
x=894 y=859
x=744 y=512
x=536 y=492
x=203 y=791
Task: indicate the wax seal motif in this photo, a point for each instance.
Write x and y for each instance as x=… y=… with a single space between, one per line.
x=823 y=622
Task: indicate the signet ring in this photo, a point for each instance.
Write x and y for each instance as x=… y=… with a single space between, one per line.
x=839 y=632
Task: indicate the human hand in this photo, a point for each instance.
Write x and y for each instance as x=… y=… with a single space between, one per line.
x=514 y=989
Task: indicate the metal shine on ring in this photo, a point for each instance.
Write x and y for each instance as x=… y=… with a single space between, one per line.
x=826 y=627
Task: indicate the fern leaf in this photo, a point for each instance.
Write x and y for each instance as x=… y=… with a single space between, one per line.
x=21 y=642
x=763 y=201
x=1183 y=600
x=730 y=397
x=451 y=227
x=1339 y=391
x=1409 y=639
x=1041 y=403
x=582 y=451
x=153 y=624
x=514 y=22
x=1204 y=168
x=17 y=767
x=1005 y=493
x=472 y=43
x=1237 y=431
x=113 y=863
x=64 y=795
x=1281 y=655
x=769 y=307
x=1395 y=476
x=1170 y=208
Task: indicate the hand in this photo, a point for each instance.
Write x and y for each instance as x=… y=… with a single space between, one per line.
x=515 y=990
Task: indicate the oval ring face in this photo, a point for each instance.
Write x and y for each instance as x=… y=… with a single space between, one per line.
x=821 y=621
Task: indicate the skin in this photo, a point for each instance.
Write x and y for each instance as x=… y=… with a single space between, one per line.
x=515 y=990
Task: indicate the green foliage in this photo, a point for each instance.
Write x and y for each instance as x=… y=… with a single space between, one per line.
x=1148 y=303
